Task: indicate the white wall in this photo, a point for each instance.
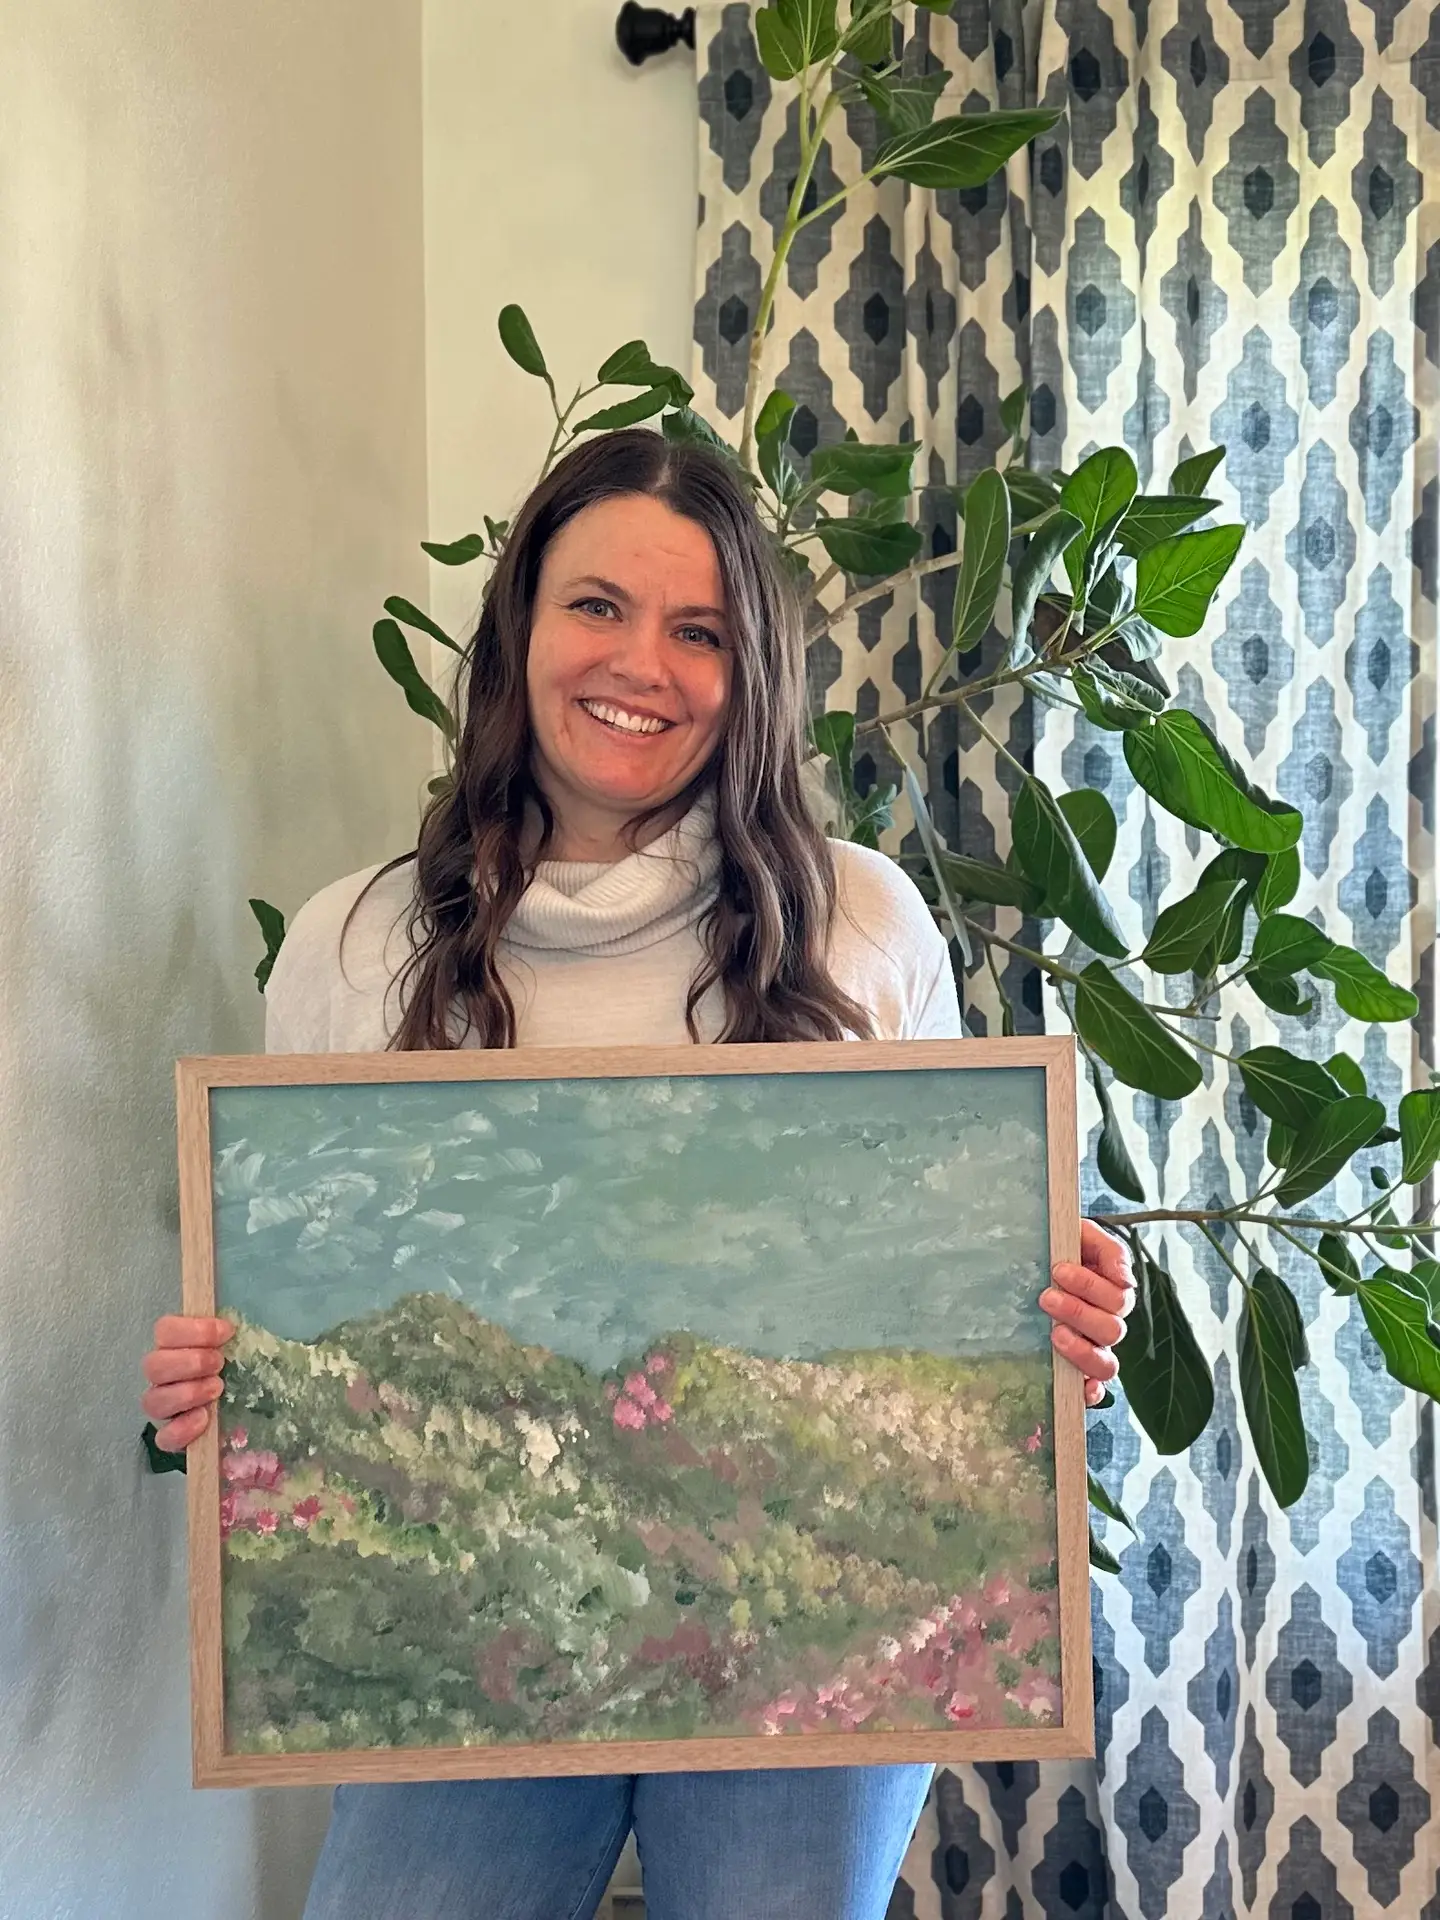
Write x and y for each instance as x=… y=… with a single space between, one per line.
x=212 y=468
x=560 y=177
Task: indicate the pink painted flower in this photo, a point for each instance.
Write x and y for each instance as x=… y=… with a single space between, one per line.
x=239 y=1439
x=997 y=1591
x=304 y=1511
x=267 y=1520
x=657 y=1364
x=258 y=1469
x=229 y=1514
x=640 y=1390
x=1034 y=1442
x=960 y=1707
x=1039 y=1697
x=662 y=1411
x=627 y=1414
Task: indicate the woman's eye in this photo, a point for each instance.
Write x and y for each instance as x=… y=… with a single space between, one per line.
x=702 y=636
x=602 y=607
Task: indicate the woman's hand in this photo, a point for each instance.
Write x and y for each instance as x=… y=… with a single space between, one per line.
x=1089 y=1304
x=183 y=1369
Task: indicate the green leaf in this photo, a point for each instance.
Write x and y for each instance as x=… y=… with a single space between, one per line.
x=781 y=52
x=868 y=35
x=1049 y=854
x=934 y=853
x=1280 y=993
x=1184 y=930
x=1176 y=579
x=393 y=652
x=632 y=366
x=1337 y=1264
x=852 y=468
x=1280 y=882
x=1154 y=517
x=986 y=516
x=455 y=553
x=1130 y=1039
x=626 y=413
x=991 y=886
x=272 y=931
x=1325 y=1143
x=160 y=1460
x=1286 y=1310
x=1181 y=764
x=1286 y=944
x=1012 y=410
x=1285 y=1086
x=1361 y=990
x=864 y=546
x=906 y=103
x=496 y=529
x=1270 y=1392
x=1193 y=475
x=685 y=428
x=413 y=617
x=1031 y=494
x=1101 y=1558
x=1114 y=699
x=1165 y=1376
x=1098 y=492
x=1103 y=1503
x=1404 y=1329
x=814 y=25
x=1112 y=1157
x=1419 y=1133
x=1279 y=1143
x=1347 y=1074
x=775 y=415
x=1092 y=821
x=872 y=814
x=962 y=150
x=518 y=339
x=1032 y=573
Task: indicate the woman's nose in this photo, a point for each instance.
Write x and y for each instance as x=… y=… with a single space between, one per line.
x=639 y=655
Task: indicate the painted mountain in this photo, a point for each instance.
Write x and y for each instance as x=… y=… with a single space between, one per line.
x=435 y=1535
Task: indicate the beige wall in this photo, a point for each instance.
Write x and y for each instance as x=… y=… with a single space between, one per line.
x=212 y=467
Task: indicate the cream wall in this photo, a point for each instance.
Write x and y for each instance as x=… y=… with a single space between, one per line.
x=560 y=177
x=212 y=467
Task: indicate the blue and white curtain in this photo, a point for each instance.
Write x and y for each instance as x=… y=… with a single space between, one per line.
x=1231 y=238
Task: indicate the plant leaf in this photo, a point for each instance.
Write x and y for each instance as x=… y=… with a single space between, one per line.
x=834 y=735
x=1287 y=1312
x=1404 y=1329
x=1185 y=929
x=1130 y=1039
x=1286 y=1087
x=1092 y=821
x=868 y=36
x=781 y=53
x=962 y=150
x=1286 y=944
x=685 y=428
x=814 y=25
x=1279 y=1143
x=1270 y=1393
x=1012 y=410
x=272 y=931
x=863 y=546
x=163 y=1462
x=517 y=337
x=1280 y=993
x=993 y=886
x=1101 y=1558
x=986 y=515
x=633 y=366
x=1112 y=1157
x=1049 y=854
x=626 y=413
x=1097 y=493
x=1346 y=1073
x=1176 y=579
x=1032 y=573
x=1337 y=1264
x=1419 y=1133
x=1279 y=883
x=1165 y=1375
x=393 y=651
x=905 y=103
x=1153 y=517
x=1181 y=764
x=1193 y=475
x=1325 y=1144
x=775 y=415
x=1114 y=699
x=1031 y=494
x=853 y=468
x=455 y=553
x=934 y=852
x=413 y=617
x=1361 y=990
x=1103 y=1503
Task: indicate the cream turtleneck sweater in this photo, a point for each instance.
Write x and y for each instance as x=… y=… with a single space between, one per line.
x=603 y=955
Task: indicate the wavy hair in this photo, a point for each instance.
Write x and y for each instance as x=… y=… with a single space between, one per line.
x=766 y=937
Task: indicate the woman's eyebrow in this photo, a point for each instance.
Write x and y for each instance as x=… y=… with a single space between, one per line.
x=615 y=591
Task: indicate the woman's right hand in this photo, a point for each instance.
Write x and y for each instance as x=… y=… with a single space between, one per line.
x=183 y=1368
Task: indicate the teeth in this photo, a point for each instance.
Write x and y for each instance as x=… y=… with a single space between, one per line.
x=626 y=722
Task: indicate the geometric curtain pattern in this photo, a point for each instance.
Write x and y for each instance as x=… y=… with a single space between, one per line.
x=1229 y=239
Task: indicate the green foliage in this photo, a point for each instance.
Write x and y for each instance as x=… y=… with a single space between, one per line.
x=1166 y=1378
x=272 y=931
x=1271 y=1348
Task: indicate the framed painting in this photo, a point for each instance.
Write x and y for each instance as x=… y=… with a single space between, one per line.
x=632 y=1410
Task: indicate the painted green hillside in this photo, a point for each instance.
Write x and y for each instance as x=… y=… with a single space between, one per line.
x=435 y=1535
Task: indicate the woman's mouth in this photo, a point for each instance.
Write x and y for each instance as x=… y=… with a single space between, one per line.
x=623 y=720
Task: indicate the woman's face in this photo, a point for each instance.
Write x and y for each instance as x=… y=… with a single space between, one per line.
x=629 y=668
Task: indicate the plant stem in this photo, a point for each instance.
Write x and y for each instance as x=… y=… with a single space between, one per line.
x=823 y=620
x=1219 y=1247
x=1196 y=1217
x=1041 y=960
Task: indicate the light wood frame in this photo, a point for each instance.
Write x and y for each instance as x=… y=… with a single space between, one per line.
x=215 y=1767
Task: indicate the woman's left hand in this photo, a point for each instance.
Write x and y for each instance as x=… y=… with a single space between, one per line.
x=1089 y=1302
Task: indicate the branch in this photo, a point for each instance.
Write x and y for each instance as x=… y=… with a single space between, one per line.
x=1229 y=1215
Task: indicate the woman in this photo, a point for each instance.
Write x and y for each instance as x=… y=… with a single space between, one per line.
x=625 y=858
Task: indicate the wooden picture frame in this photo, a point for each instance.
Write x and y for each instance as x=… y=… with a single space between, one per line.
x=203 y=1087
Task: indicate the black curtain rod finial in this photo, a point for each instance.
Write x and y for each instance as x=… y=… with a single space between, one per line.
x=641 y=32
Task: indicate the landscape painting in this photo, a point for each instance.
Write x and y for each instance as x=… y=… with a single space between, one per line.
x=572 y=1412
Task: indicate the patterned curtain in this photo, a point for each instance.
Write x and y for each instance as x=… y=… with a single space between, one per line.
x=1229 y=240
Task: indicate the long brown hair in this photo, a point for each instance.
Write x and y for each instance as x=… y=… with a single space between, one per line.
x=767 y=934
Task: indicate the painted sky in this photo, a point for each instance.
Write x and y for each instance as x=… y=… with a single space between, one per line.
x=789 y=1214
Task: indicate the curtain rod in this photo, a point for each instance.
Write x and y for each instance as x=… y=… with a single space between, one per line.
x=641 y=32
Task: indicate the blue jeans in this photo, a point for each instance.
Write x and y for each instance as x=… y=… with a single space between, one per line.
x=822 y=1843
